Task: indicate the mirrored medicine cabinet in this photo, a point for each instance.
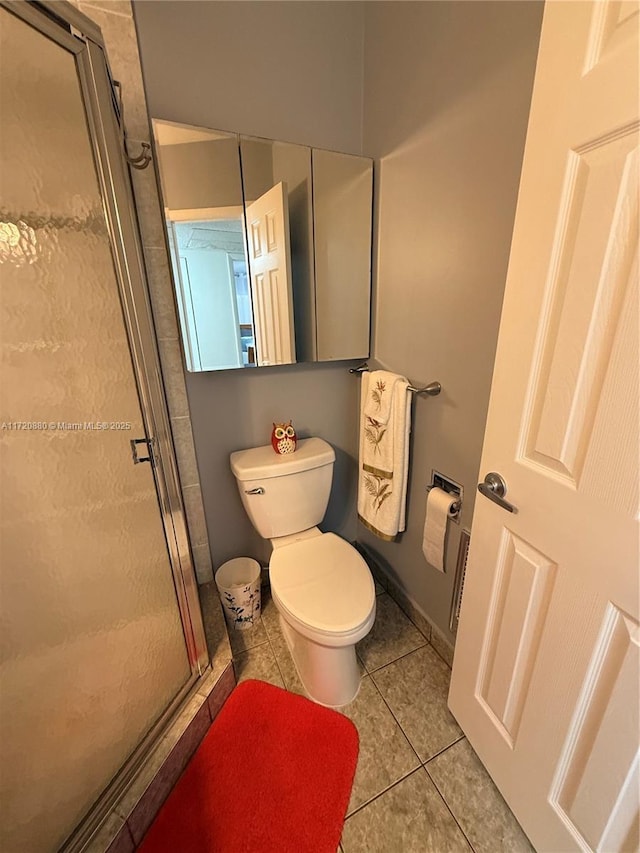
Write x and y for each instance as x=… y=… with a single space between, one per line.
x=270 y=246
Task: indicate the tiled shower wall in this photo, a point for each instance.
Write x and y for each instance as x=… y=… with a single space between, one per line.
x=115 y=19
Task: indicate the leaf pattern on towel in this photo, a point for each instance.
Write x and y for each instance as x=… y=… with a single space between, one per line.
x=378 y=391
x=379 y=488
x=374 y=433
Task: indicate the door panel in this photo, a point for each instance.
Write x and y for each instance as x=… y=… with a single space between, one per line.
x=602 y=746
x=596 y=230
x=545 y=680
x=524 y=582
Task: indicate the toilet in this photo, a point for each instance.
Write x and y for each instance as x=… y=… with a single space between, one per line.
x=322 y=588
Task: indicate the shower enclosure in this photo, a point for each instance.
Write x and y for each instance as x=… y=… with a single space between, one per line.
x=101 y=632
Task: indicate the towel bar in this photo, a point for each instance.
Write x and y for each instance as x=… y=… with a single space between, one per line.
x=432 y=389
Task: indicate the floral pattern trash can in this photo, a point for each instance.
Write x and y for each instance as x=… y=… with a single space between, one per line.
x=238 y=583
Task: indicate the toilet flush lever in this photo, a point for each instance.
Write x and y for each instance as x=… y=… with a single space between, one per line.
x=257 y=491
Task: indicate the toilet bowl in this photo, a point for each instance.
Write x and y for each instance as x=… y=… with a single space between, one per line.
x=321 y=586
x=325 y=596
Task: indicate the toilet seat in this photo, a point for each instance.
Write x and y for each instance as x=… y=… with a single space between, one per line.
x=325 y=589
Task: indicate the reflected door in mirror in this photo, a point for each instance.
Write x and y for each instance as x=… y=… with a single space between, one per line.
x=270 y=271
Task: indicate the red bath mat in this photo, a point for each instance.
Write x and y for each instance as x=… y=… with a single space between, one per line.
x=272 y=775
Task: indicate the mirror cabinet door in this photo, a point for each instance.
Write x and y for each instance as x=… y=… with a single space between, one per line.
x=277 y=193
x=342 y=215
x=203 y=201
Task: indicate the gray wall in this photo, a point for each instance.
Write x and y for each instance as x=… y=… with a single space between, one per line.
x=438 y=93
x=447 y=92
x=205 y=63
x=282 y=70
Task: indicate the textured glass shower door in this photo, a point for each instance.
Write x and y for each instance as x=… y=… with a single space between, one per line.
x=93 y=647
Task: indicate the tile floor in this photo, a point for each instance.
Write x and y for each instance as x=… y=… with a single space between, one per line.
x=418 y=786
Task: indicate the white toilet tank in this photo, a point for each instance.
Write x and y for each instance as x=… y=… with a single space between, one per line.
x=290 y=491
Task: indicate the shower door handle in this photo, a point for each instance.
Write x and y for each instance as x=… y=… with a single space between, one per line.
x=134 y=442
x=495 y=488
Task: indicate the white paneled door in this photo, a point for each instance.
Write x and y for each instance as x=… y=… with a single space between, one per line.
x=270 y=269
x=546 y=672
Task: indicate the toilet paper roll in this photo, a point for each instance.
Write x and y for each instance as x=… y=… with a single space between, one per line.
x=439 y=510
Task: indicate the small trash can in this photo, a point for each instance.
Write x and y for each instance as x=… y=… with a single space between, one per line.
x=238 y=583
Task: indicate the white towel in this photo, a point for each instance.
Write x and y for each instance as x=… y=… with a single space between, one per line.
x=385 y=422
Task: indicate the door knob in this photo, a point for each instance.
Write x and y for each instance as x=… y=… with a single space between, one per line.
x=495 y=488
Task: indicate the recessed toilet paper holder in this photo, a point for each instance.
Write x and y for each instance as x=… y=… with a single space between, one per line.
x=439 y=481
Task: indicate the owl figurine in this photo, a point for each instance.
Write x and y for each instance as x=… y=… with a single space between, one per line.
x=283 y=438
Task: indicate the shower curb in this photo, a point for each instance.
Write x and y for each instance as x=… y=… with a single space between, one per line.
x=125 y=827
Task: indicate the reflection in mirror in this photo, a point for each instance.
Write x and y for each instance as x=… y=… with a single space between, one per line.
x=202 y=192
x=211 y=276
x=342 y=212
x=266 y=164
x=270 y=247
x=270 y=273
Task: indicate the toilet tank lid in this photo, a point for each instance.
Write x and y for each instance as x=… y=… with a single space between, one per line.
x=263 y=462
